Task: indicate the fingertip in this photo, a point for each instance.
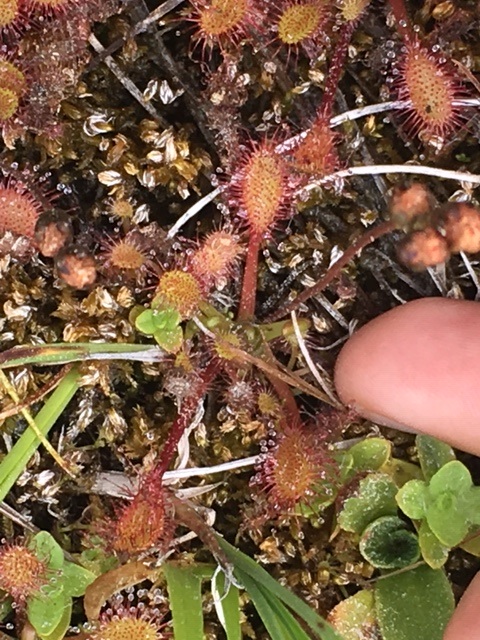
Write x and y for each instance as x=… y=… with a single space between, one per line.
x=465 y=622
x=418 y=366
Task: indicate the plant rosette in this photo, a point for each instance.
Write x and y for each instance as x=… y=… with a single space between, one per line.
x=448 y=506
x=49 y=608
x=163 y=323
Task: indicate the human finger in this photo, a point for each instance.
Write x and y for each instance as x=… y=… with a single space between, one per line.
x=465 y=622
x=417 y=367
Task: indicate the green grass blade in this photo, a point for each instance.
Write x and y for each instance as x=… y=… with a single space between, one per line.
x=248 y=566
x=17 y=458
x=293 y=628
x=273 y=623
x=278 y=620
x=67 y=352
x=185 y=594
x=227 y=607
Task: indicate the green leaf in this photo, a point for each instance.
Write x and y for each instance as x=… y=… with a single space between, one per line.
x=345 y=470
x=355 y=618
x=432 y=454
x=414 y=605
x=472 y=544
x=247 y=566
x=96 y=560
x=185 y=594
x=453 y=477
x=145 y=323
x=472 y=505
x=374 y=498
x=412 y=499
x=370 y=454
x=447 y=519
x=402 y=471
x=16 y=460
x=387 y=544
x=76 y=579
x=227 y=606
x=278 y=621
x=46 y=548
x=170 y=340
x=433 y=551
x=62 y=627
x=45 y=611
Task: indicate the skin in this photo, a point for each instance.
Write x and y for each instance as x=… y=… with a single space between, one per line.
x=417 y=368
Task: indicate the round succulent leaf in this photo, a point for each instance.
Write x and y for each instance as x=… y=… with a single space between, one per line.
x=170 y=340
x=62 y=627
x=453 y=477
x=412 y=499
x=370 y=454
x=144 y=322
x=414 y=605
x=374 y=498
x=47 y=548
x=387 y=544
x=166 y=319
x=355 y=617
x=45 y=611
x=447 y=519
x=433 y=551
x=76 y=579
x=402 y=471
x=433 y=454
x=472 y=504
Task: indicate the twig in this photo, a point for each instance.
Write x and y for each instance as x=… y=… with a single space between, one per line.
x=126 y=82
x=311 y=365
x=41 y=393
x=119 y=484
x=353 y=114
x=277 y=370
x=32 y=424
x=20 y=519
x=368 y=170
x=155 y=15
x=192 y=212
x=140 y=27
x=335 y=269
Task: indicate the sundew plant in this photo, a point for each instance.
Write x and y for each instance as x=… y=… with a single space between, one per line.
x=200 y=201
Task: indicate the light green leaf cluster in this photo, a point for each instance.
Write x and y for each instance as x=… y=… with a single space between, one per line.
x=449 y=505
x=164 y=325
x=49 y=611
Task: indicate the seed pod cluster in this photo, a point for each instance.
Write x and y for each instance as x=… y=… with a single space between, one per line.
x=452 y=228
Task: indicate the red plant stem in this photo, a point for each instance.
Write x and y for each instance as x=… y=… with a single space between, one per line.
x=190 y=518
x=403 y=23
x=283 y=391
x=334 y=271
x=183 y=420
x=335 y=71
x=248 y=296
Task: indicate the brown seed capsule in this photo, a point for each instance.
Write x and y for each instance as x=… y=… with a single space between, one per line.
x=462 y=227
x=409 y=203
x=422 y=249
x=52 y=232
x=76 y=268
